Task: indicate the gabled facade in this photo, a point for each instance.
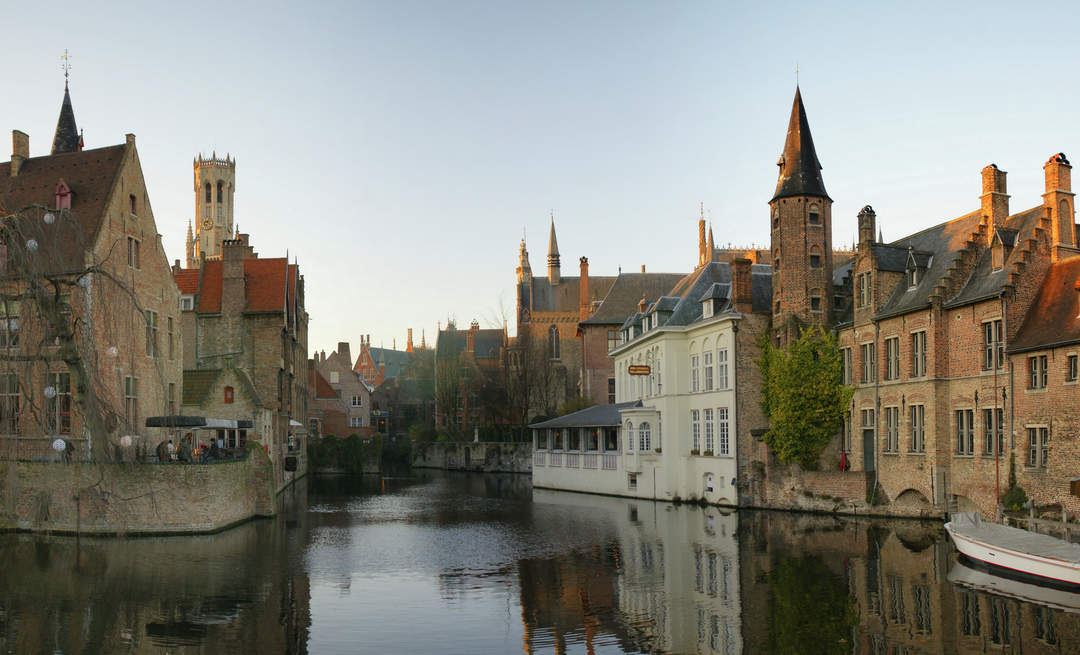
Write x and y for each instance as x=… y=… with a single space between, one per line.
x=347 y=383
x=82 y=219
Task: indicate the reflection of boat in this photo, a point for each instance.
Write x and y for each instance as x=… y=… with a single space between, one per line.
x=1017 y=550
x=1026 y=592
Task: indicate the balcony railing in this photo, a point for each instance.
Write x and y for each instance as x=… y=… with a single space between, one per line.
x=609 y=461
x=556 y=459
x=539 y=457
x=572 y=460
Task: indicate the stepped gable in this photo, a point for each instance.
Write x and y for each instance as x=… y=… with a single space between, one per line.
x=1054 y=318
x=625 y=293
x=90 y=175
x=985 y=282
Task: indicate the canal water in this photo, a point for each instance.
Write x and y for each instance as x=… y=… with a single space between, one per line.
x=434 y=562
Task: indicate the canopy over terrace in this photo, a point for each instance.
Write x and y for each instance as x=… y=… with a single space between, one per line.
x=582 y=429
x=230 y=433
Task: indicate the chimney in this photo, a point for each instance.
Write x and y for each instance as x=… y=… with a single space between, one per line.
x=20 y=150
x=742 y=293
x=701 y=259
x=583 y=290
x=995 y=202
x=867 y=218
x=1058 y=200
x=470 y=337
x=408 y=343
x=642 y=304
x=343 y=350
x=176 y=266
x=643 y=269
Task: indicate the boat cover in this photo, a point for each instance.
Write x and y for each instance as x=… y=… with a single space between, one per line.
x=970 y=524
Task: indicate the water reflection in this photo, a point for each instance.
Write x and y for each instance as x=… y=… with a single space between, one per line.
x=453 y=563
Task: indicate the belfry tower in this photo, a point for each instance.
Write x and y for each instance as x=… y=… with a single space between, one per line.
x=801 y=215
x=215 y=182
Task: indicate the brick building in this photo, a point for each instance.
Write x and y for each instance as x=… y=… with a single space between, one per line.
x=350 y=386
x=245 y=327
x=86 y=290
x=327 y=413
x=470 y=378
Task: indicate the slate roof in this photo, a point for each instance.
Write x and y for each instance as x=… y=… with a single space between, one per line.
x=265 y=288
x=563 y=297
x=800 y=170
x=396 y=360
x=595 y=416
x=451 y=343
x=66 y=138
x=625 y=293
x=1054 y=317
x=985 y=282
x=89 y=174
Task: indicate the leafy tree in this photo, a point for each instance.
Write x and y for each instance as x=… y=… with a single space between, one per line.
x=802 y=395
x=577 y=403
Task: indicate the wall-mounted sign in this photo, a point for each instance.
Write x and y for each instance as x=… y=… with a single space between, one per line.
x=639 y=369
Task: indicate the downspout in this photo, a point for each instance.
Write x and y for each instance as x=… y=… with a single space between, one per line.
x=877 y=413
x=734 y=384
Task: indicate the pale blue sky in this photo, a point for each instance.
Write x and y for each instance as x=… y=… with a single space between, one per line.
x=400 y=148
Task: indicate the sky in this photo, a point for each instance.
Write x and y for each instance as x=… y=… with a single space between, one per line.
x=400 y=150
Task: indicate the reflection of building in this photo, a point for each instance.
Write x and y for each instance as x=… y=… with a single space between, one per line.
x=666 y=580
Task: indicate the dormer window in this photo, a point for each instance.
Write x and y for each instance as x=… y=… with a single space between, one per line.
x=63 y=196
x=914 y=276
x=707 y=308
x=997 y=255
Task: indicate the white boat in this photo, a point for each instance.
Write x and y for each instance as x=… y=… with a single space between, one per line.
x=1027 y=592
x=1020 y=551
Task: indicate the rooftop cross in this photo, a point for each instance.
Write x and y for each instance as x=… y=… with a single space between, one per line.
x=66 y=67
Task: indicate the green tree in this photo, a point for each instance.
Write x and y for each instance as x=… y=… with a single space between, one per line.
x=802 y=395
x=575 y=404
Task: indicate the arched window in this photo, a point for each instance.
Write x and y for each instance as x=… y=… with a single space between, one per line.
x=553 y=341
x=228 y=395
x=815 y=215
x=629 y=430
x=776 y=218
x=815 y=257
x=220 y=191
x=209 y=193
x=645 y=437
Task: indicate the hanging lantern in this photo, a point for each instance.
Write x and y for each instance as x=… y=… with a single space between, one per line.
x=50 y=392
x=49 y=218
x=32 y=245
x=125 y=440
x=58 y=445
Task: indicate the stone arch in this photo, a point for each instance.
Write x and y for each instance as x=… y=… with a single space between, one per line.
x=912 y=498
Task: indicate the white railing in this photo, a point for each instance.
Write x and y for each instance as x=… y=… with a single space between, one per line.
x=556 y=459
x=591 y=461
x=609 y=461
x=539 y=457
x=572 y=460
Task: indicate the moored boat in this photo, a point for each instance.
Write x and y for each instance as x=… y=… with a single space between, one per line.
x=1039 y=555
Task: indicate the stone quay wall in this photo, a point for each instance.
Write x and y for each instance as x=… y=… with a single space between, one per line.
x=485 y=457
x=834 y=492
x=129 y=499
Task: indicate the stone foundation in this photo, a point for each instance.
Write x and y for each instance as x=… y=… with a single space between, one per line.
x=486 y=457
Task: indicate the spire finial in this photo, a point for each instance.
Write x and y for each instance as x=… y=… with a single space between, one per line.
x=796 y=74
x=66 y=67
x=701 y=209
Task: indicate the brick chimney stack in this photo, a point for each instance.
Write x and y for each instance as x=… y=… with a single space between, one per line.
x=642 y=304
x=408 y=343
x=1058 y=201
x=742 y=294
x=583 y=290
x=343 y=350
x=470 y=337
x=20 y=150
x=995 y=201
x=867 y=219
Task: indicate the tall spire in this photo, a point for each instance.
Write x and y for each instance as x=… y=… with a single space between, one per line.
x=800 y=170
x=553 y=255
x=711 y=246
x=66 y=138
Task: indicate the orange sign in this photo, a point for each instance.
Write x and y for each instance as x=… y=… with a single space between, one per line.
x=639 y=369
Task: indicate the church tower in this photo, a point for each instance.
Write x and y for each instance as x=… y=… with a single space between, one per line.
x=801 y=215
x=215 y=182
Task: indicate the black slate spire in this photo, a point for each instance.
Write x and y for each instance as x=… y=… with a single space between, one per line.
x=800 y=170
x=66 y=138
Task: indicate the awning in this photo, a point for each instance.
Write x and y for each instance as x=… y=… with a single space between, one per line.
x=178 y=421
x=293 y=423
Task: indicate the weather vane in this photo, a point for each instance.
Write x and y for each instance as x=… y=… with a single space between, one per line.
x=66 y=66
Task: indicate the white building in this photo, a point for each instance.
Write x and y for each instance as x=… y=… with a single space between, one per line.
x=676 y=427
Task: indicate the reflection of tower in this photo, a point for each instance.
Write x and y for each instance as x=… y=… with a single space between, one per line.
x=215 y=181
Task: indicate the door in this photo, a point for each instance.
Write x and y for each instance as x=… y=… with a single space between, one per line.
x=868 y=449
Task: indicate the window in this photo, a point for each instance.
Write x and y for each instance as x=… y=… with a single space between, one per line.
x=172 y=399
x=1044 y=623
x=864 y=290
x=708 y=371
x=1071 y=370
x=357 y=421
x=722 y=369
x=9 y=323
x=845 y=358
x=592 y=439
x=9 y=403
x=815 y=303
x=923 y=620
x=892 y=358
x=133 y=252
x=1038 y=446
x=553 y=342
x=918 y=428
x=131 y=403
x=172 y=339
x=629 y=432
x=815 y=257
x=709 y=438
x=722 y=423
x=52 y=333
x=612 y=340
x=611 y=391
x=557 y=439
x=541 y=439
x=913 y=276
x=1000 y=631
x=693 y=373
x=151 y=334
x=993 y=345
x=357 y=401
x=187 y=303
x=1037 y=371
x=334 y=377
x=631 y=481
x=965 y=432
x=896 y=598
x=220 y=191
x=209 y=193
x=892 y=429
x=815 y=215
x=644 y=437
x=868 y=355
x=131 y=204
x=573 y=439
x=988 y=431
x=611 y=439
x=695 y=430
x=970 y=624
x=229 y=395
x=918 y=354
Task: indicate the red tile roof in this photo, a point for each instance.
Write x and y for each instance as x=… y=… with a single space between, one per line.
x=1053 y=317
x=188 y=281
x=323 y=388
x=264 y=283
x=210 y=288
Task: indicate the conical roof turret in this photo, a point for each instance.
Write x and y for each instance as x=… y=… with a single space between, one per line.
x=553 y=245
x=800 y=170
x=66 y=138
